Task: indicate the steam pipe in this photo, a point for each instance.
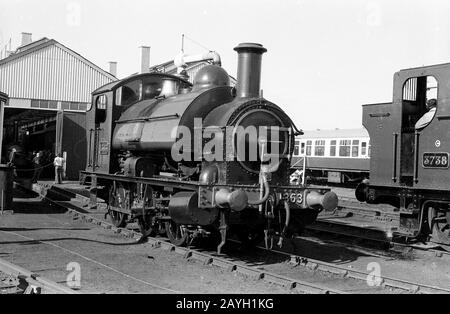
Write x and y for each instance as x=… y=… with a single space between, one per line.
x=286 y=224
x=266 y=187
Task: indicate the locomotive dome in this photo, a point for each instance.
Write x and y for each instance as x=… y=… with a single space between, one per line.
x=211 y=76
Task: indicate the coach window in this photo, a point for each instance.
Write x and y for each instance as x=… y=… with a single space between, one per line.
x=344 y=148
x=319 y=148
x=302 y=148
x=308 y=148
x=297 y=148
x=355 y=148
x=363 y=148
x=333 y=148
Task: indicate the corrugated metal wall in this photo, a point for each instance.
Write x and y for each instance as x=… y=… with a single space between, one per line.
x=51 y=73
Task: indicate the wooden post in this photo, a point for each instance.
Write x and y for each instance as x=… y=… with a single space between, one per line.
x=2 y=114
x=304 y=171
x=93 y=193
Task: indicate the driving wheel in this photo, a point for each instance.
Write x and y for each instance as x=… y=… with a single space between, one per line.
x=439 y=223
x=118 y=199
x=176 y=233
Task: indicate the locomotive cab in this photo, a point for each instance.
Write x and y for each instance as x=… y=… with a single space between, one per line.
x=410 y=151
x=111 y=101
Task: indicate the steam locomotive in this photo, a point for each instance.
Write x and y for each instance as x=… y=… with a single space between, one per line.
x=198 y=160
x=410 y=153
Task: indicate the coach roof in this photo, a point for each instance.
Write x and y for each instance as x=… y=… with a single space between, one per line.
x=336 y=133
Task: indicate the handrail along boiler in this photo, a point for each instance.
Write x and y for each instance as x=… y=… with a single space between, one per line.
x=130 y=163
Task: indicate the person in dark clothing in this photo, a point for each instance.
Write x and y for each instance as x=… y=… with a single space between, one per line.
x=37 y=162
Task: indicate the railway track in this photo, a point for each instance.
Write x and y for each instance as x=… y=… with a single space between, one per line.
x=349 y=208
x=17 y=280
x=229 y=263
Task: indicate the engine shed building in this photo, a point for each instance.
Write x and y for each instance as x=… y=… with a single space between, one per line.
x=49 y=88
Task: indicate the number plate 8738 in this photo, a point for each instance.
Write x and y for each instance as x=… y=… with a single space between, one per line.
x=435 y=160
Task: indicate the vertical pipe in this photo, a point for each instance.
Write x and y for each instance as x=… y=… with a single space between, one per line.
x=416 y=157
x=113 y=68
x=249 y=69
x=304 y=171
x=394 y=157
x=145 y=59
x=2 y=114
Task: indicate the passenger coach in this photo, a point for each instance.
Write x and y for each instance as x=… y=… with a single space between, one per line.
x=334 y=156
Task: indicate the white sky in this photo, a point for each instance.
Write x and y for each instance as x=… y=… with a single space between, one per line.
x=325 y=57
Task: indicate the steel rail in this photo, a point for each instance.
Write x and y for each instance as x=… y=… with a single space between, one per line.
x=386 y=282
x=297 y=260
x=324 y=225
x=33 y=280
x=208 y=259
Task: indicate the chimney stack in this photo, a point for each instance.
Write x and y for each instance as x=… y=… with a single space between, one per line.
x=249 y=69
x=26 y=39
x=145 y=59
x=113 y=68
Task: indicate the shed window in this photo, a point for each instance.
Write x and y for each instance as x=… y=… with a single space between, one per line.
x=53 y=104
x=319 y=148
x=44 y=104
x=34 y=103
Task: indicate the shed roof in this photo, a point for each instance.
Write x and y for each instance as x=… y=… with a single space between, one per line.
x=46 y=69
x=44 y=43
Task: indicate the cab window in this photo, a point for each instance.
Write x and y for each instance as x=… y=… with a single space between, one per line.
x=417 y=93
x=101 y=103
x=129 y=93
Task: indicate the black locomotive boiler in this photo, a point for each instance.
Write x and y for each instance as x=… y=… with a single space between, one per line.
x=409 y=166
x=134 y=128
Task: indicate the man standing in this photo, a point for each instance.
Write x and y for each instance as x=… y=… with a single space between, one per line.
x=37 y=166
x=59 y=164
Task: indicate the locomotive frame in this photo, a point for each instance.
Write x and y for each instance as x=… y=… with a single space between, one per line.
x=129 y=165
